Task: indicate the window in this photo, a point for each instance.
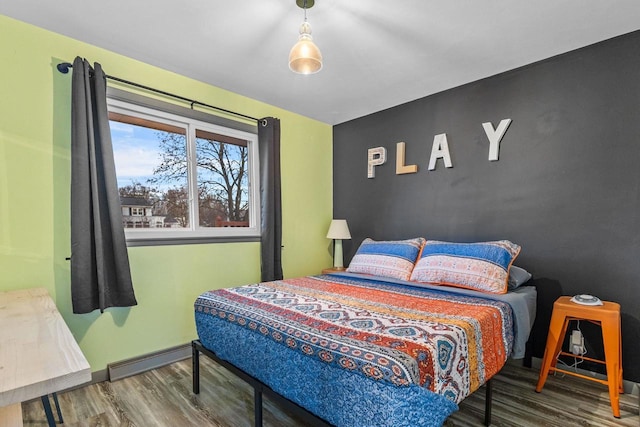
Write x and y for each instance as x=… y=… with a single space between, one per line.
x=183 y=179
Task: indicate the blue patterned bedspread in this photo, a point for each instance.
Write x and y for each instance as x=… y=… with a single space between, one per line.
x=357 y=351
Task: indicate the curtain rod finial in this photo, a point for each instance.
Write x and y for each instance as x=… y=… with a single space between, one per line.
x=63 y=67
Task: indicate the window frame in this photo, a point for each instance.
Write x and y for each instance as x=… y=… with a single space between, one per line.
x=151 y=109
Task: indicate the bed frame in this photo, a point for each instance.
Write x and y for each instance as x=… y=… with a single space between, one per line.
x=259 y=388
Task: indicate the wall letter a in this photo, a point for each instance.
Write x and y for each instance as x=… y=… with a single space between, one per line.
x=440 y=149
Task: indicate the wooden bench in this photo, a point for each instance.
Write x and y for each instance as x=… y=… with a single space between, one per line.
x=38 y=354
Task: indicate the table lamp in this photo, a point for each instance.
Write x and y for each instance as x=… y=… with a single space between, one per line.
x=338 y=230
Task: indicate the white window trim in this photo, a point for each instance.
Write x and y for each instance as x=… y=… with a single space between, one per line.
x=196 y=234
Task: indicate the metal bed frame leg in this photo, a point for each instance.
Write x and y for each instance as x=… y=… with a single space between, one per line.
x=487 y=405
x=258 y=388
x=195 y=367
x=257 y=407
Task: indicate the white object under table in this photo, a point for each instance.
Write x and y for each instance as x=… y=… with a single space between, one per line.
x=38 y=354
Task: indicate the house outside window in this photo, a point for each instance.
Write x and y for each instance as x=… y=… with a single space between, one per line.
x=183 y=179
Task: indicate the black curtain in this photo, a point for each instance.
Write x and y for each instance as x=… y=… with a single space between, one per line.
x=270 y=199
x=100 y=274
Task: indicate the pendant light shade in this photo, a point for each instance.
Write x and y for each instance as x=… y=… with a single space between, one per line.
x=305 y=57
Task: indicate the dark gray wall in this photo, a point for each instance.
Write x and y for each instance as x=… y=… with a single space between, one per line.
x=566 y=187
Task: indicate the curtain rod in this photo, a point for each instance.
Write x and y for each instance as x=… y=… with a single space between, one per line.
x=63 y=67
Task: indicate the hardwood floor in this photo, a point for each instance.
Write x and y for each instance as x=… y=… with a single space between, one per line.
x=163 y=397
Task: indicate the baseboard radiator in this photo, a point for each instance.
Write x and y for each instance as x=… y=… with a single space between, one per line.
x=126 y=368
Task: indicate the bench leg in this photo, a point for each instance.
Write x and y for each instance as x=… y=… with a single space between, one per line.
x=47 y=410
x=55 y=400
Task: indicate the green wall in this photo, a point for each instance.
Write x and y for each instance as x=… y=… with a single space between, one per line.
x=34 y=199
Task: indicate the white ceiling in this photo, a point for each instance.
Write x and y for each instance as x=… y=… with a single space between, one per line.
x=377 y=53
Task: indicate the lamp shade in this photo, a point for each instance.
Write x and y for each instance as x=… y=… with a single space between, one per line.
x=338 y=229
x=305 y=57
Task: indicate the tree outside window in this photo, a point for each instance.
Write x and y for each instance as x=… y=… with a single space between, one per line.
x=181 y=172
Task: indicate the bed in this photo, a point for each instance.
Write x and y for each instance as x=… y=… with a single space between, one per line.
x=364 y=349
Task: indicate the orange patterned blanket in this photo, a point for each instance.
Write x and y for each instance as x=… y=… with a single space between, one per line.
x=447 y=343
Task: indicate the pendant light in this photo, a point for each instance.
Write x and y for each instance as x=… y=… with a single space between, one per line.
x=305 y=57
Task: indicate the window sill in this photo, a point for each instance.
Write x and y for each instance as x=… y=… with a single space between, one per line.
x=188 y=240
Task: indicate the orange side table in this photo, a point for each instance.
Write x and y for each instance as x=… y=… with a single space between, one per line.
x=608 y=317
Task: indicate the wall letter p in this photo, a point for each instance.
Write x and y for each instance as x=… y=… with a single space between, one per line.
x=375 y=157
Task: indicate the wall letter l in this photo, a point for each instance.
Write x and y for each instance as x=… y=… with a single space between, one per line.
x=401 y=168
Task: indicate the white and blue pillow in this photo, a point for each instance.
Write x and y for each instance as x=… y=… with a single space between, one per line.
x=391 y=258
x=482 y=266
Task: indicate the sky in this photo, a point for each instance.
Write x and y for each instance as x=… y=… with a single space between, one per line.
x=136 y=153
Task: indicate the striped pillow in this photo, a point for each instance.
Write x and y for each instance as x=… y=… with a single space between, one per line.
x=479 y=266
x=391 y=258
